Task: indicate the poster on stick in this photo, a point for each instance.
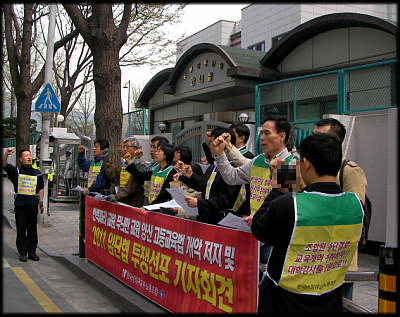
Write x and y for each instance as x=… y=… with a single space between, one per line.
x=182 y=265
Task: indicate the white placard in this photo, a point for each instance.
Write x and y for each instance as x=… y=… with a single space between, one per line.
x=179 y=196
x=236 y=222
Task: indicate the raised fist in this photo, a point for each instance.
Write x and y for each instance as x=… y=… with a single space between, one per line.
x=138 y=154
x=9 y=151
x=208 y=137
x=128 y=158
x=105 y=152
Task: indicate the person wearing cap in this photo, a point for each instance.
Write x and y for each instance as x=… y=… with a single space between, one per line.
x=50 y=183
x=68 y=173
x=130 y=191
x=36 y=160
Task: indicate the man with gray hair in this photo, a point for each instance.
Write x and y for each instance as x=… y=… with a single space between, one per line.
x=129 y=191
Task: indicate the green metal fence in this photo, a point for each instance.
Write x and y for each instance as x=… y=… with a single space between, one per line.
x=137 y=120
x=12 y=142
x=304 y=100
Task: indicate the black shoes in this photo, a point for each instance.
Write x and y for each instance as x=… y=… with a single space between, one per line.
x=33 y=257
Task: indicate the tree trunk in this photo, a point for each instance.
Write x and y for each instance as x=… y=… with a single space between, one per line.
x=13 y=103
x=105 y=41
x=108 y=113
x=23 y=89
x=23 y=116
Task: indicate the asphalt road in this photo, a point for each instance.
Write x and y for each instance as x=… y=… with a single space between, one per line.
x=45 y=286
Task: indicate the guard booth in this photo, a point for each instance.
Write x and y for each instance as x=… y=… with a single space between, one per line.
x=62 y=143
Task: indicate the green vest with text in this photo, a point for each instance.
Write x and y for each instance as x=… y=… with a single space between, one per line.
x=325 y=237
x=157 y=181
x=260 y=181
x=94 y=170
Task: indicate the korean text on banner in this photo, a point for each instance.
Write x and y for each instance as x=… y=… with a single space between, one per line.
x=165 y=257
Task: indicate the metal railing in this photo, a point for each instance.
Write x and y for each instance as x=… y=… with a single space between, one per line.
x=304 y=100
x=195 y=135
x=12 y=142
x=135 y=123
x=358 y=276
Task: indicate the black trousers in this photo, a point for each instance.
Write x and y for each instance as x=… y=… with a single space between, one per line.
x=68 y=183
x=26 y=221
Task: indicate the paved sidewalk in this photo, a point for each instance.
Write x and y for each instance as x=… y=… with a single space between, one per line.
x=60 y=239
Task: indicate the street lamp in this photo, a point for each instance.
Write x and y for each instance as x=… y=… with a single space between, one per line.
x=162 y=127
x=129 y=93
x=60 y=118
x=243 y=118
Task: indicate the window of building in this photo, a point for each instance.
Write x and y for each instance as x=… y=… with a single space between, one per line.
x=257 y=47
x=277 y=38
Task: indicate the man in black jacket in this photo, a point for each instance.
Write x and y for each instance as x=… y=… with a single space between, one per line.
x=28 y=188
x=314 y=235
x=218 y=198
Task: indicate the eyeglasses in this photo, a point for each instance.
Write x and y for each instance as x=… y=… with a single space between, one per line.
x=126 y=146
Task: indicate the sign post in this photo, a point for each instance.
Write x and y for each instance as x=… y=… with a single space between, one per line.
x=39 y=106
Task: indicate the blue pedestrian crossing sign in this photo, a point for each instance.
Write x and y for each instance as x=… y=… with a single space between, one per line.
x=47 y=101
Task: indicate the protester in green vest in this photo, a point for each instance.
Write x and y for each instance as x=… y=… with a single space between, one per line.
x=98 y=182
x=218 y=198
x=129 y=190
x=256 y=172
x=354 y=181
x=314 y=235
x=160 y=176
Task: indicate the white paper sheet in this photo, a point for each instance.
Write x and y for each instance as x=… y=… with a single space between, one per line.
x=179 y=196
x=99 y=196
x=169 y=204
x=77 y=188
x=236 y=222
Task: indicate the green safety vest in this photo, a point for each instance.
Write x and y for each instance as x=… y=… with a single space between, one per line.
x=35 y=162
x=94 y=170
x=124 y=176
x=324 y=240
x=157 y=181
x=239 y=200
x=260 y=181
x=51 y=175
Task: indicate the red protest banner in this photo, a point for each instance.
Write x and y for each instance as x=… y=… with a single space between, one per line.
x=164 y=257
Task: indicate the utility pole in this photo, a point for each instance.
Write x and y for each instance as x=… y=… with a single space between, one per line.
x=44 y=140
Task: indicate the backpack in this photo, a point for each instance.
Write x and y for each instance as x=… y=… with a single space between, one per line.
x=367 y=212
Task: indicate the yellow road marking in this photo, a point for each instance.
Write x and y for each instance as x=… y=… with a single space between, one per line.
x=5 y=263
x=36 y=292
